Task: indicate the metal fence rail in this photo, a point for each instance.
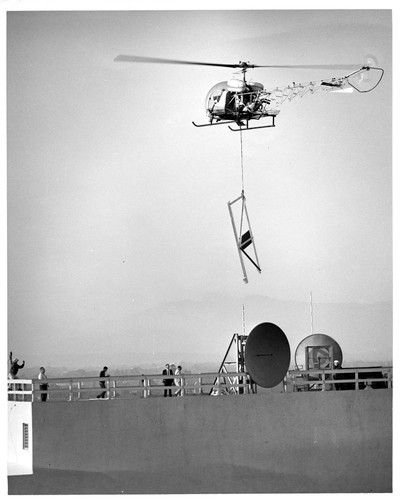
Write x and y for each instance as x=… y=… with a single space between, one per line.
x=340 y=379
x=125 y=387
x=200 y=384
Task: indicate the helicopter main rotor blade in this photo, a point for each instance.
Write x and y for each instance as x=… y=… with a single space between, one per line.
x=128 y=58
x=241 y=64
x=312 y=66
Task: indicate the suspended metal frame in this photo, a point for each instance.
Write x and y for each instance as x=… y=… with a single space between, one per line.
x=244 y=238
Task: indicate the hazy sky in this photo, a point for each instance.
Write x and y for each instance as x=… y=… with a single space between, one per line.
x=117 y=204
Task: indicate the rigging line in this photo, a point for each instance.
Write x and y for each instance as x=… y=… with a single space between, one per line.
x=241 y=158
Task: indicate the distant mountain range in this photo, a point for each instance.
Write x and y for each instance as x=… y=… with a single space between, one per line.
x=64 y=372
x=203 y=329
x=198 y=332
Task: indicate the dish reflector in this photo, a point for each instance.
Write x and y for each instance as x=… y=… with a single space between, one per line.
x=267 y=355
x=317 y=351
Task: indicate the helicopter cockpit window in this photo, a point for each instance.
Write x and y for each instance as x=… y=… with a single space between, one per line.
x=231 y=101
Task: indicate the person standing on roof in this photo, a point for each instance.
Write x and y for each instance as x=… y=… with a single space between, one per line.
x=102 y=383
x=179 y=382
x=14 y=367
x=43 y=386
x=337 y=366
x=168 y=381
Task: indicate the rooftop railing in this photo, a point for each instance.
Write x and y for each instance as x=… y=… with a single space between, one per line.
x=201 y=384
x=341 y=379
x=126 y=387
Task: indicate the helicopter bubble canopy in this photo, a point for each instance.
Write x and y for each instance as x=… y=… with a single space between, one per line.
x=215 y=92
x=233 y=99
x=216 y=99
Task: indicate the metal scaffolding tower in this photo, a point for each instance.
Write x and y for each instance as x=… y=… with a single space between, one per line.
x=232 y=366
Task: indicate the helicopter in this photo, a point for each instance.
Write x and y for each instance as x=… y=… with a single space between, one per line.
x=238 y=102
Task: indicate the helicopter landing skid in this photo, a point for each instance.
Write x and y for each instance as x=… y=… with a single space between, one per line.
x=246 y=127
x=213 y=124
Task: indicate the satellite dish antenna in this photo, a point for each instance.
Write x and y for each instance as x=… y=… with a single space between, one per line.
x=267 y=355
x=318 y=352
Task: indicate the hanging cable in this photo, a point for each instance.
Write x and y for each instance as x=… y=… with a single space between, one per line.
x=243 y=234
x=241 y=158
x=242 y=169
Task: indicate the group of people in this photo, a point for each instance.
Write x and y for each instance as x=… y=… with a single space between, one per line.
x=169 y=382
x=14 y=369
x=174 y=379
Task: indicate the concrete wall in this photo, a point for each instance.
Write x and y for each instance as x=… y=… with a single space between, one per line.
x=19 y=458
x=295 y=442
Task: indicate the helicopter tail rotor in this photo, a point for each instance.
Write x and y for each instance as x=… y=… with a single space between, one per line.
x=368 y=77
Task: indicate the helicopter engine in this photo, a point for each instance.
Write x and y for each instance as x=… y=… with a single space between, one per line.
x=236 y=85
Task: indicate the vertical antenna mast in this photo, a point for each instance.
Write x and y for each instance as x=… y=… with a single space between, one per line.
x=311 y=314
x=243 y=323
